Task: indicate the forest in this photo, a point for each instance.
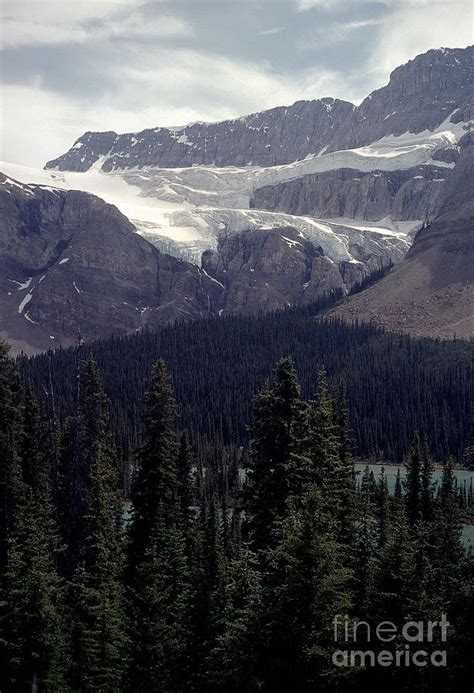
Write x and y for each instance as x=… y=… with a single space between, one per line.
x=213 y=580
x=396 y=385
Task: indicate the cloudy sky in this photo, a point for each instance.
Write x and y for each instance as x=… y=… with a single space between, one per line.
x=68 y=66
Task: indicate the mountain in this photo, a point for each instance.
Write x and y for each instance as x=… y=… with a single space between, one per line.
x=435 y=87
x=258 y=213
x=432 y=291
x=72 y=265
x=270 y=269
x=420 y=95
x=278 y=136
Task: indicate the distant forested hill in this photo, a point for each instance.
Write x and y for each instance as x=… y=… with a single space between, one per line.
x=396 y=385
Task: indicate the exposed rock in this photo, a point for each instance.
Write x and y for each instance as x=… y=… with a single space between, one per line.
x=410 y=194
x=71 y=264
x=270 y=269
x=420 y=95
x=278 y=136
x=431 y=292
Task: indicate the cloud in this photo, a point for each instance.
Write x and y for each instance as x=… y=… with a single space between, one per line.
x=270 y=32
x=47 y=23
x=361 y=24
x=226 y=85
x=413 y=27
x=159 y=87
x=304 y=5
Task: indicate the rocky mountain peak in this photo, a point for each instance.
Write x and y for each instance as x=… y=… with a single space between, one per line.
x=420 y=95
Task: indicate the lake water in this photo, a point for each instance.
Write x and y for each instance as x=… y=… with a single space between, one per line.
x=464 y=476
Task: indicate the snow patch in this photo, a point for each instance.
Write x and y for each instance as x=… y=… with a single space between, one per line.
x=25 y=302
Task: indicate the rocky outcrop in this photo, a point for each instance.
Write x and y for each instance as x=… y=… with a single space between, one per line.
x=71 y=265
x=269 y=269
x=431 y=292
x=278 y=136
x=402 y=195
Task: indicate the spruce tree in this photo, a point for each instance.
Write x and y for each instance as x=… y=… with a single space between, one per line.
x=33 y=595
x=278 y=432
x=156 y=484
x=305 y=585
x=84 y=442
x=413 y=484
x=11 y=432
x=393 y=569
x=427 y=493
x=96 y=591
x=186 y=489
x=325 y=452
x=38 y=641
x=159 y=583
x=233 y=662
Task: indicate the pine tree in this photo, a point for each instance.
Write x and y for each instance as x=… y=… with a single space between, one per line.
x=305 y=585
x=447 y=537
x=427 y=495
x=11 y=431
x=278 y=433
x=159 y=581
x=393 y=568
x=96 y=592
x=346 y=464
x=186 y=488
x=362 y=560
x=85 y=440
x=160 y=611
x=413 y=482
x=32 y=613
x=382 y=508
x=156 y=484
x=325 y=451
x=233 y=662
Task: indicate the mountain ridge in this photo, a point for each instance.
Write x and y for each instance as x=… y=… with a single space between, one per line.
x=325 y=124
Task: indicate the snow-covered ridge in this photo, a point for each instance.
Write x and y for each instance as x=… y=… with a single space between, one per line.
x=184 y=210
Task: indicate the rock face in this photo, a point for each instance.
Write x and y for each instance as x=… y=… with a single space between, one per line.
x=431 y=292
x=278 y=136
x=71 y=264
x=402 y=195
x=420 y=96
x=269 y=269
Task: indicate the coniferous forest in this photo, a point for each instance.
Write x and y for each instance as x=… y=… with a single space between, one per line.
x=242 y=558
x=396 y=385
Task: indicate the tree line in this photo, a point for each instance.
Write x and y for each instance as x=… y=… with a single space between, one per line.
x=210 y=582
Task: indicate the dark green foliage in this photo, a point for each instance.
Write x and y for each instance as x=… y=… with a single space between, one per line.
x=158 y=572
x=413 y=483
x=278 y=466
x=96 y=595
x=396 y=385
x=33 y=640
x=156 y=484
x=223 y=590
